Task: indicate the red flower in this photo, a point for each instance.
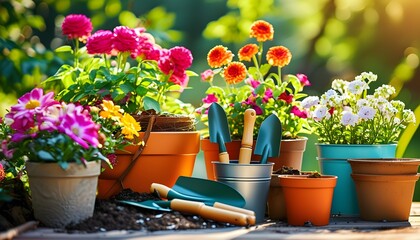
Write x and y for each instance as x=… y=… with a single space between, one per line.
x=125 y=39
x=76 y=26
x=288 y=98
x=100 y=42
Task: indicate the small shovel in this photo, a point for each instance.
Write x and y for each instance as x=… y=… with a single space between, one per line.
x=168 y=193
x=269 y=138
x=245 y=152
x=198 y=208
x=219 y=130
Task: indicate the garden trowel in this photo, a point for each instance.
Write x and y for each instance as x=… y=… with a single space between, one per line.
x=198 y=208
x=245 y=152
x=219 y=130
x=269 y=138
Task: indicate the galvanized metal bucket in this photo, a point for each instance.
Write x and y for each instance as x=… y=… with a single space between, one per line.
x=251 y=180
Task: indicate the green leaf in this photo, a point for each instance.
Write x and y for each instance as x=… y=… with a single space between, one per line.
x=65 y=48
x=127 y=87
x=150 y=103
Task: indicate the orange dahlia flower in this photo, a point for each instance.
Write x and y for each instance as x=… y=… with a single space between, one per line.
x=235 y=72
x=219 y=56
x=262 y=31
x=279 y=56
x=247 y=52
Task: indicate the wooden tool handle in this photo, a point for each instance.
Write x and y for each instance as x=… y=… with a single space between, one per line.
x=224 y=157
x=161 y=189
x=249 y=213
x=245 y=152
x=216 y=214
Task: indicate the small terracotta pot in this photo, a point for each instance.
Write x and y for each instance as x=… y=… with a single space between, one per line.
x=385 y=197
x=385 y=166
x=291 y=153
x=167 y=156
x=308 y=200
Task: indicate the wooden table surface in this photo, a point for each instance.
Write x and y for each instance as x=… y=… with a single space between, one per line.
x=339 y=228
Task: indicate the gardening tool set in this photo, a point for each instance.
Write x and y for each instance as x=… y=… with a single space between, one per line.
x=240 y=193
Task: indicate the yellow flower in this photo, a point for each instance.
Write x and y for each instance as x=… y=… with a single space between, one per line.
x=109 y=110
x=130 y=126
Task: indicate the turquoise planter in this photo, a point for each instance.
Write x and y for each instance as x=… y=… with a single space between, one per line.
x=332 y=159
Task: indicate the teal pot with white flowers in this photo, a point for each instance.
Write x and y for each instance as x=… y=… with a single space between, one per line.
x=332 y=159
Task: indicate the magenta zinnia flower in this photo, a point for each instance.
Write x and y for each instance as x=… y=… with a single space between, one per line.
x=303 y=79
x=296 y=111
x=76 y=26
x=210 y=98
x=125 y=39
x=100 y=42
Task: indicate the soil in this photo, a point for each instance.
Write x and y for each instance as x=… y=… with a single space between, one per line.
x=111 y=215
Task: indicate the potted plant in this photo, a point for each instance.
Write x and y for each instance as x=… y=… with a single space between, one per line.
x=250 y=83
x=126 y=66
x=60 y=147
x=350 y=123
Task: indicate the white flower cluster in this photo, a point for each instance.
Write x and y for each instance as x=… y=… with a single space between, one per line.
x=348 y=109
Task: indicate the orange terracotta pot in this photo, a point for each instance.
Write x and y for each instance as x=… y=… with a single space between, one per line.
x=385 y=166
x=276 y=204
x=291 y=153
x=308 y=200
x=167 y=156
x=385 y=197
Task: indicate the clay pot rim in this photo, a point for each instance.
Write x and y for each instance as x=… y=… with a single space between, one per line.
x=303 y=181
x=385 y=160
x=382 y=178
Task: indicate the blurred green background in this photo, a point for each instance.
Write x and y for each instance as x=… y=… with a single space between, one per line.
x=328 y=39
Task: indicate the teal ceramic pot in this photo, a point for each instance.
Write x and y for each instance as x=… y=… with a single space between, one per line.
x=332 y=159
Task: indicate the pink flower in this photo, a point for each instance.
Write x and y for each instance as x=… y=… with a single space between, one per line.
x=253 y=83
x=33 y=102
x=303 y=79
x=147 y=49
x=78 y=125
x=296 y=111
x=210 y=98
x=174 y=62
x=250 y=102
x=2 y=173
x=100 y=42
x=207 y=76
x=267 y=95
x=76 y=26
x=125 y=39
x=8 y=153
x=288 y=98
x=181 y=57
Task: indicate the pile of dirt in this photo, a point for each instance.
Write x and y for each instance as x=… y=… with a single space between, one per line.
x=112 y=215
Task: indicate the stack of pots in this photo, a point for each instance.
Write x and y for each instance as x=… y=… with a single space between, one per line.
x=385 y=187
